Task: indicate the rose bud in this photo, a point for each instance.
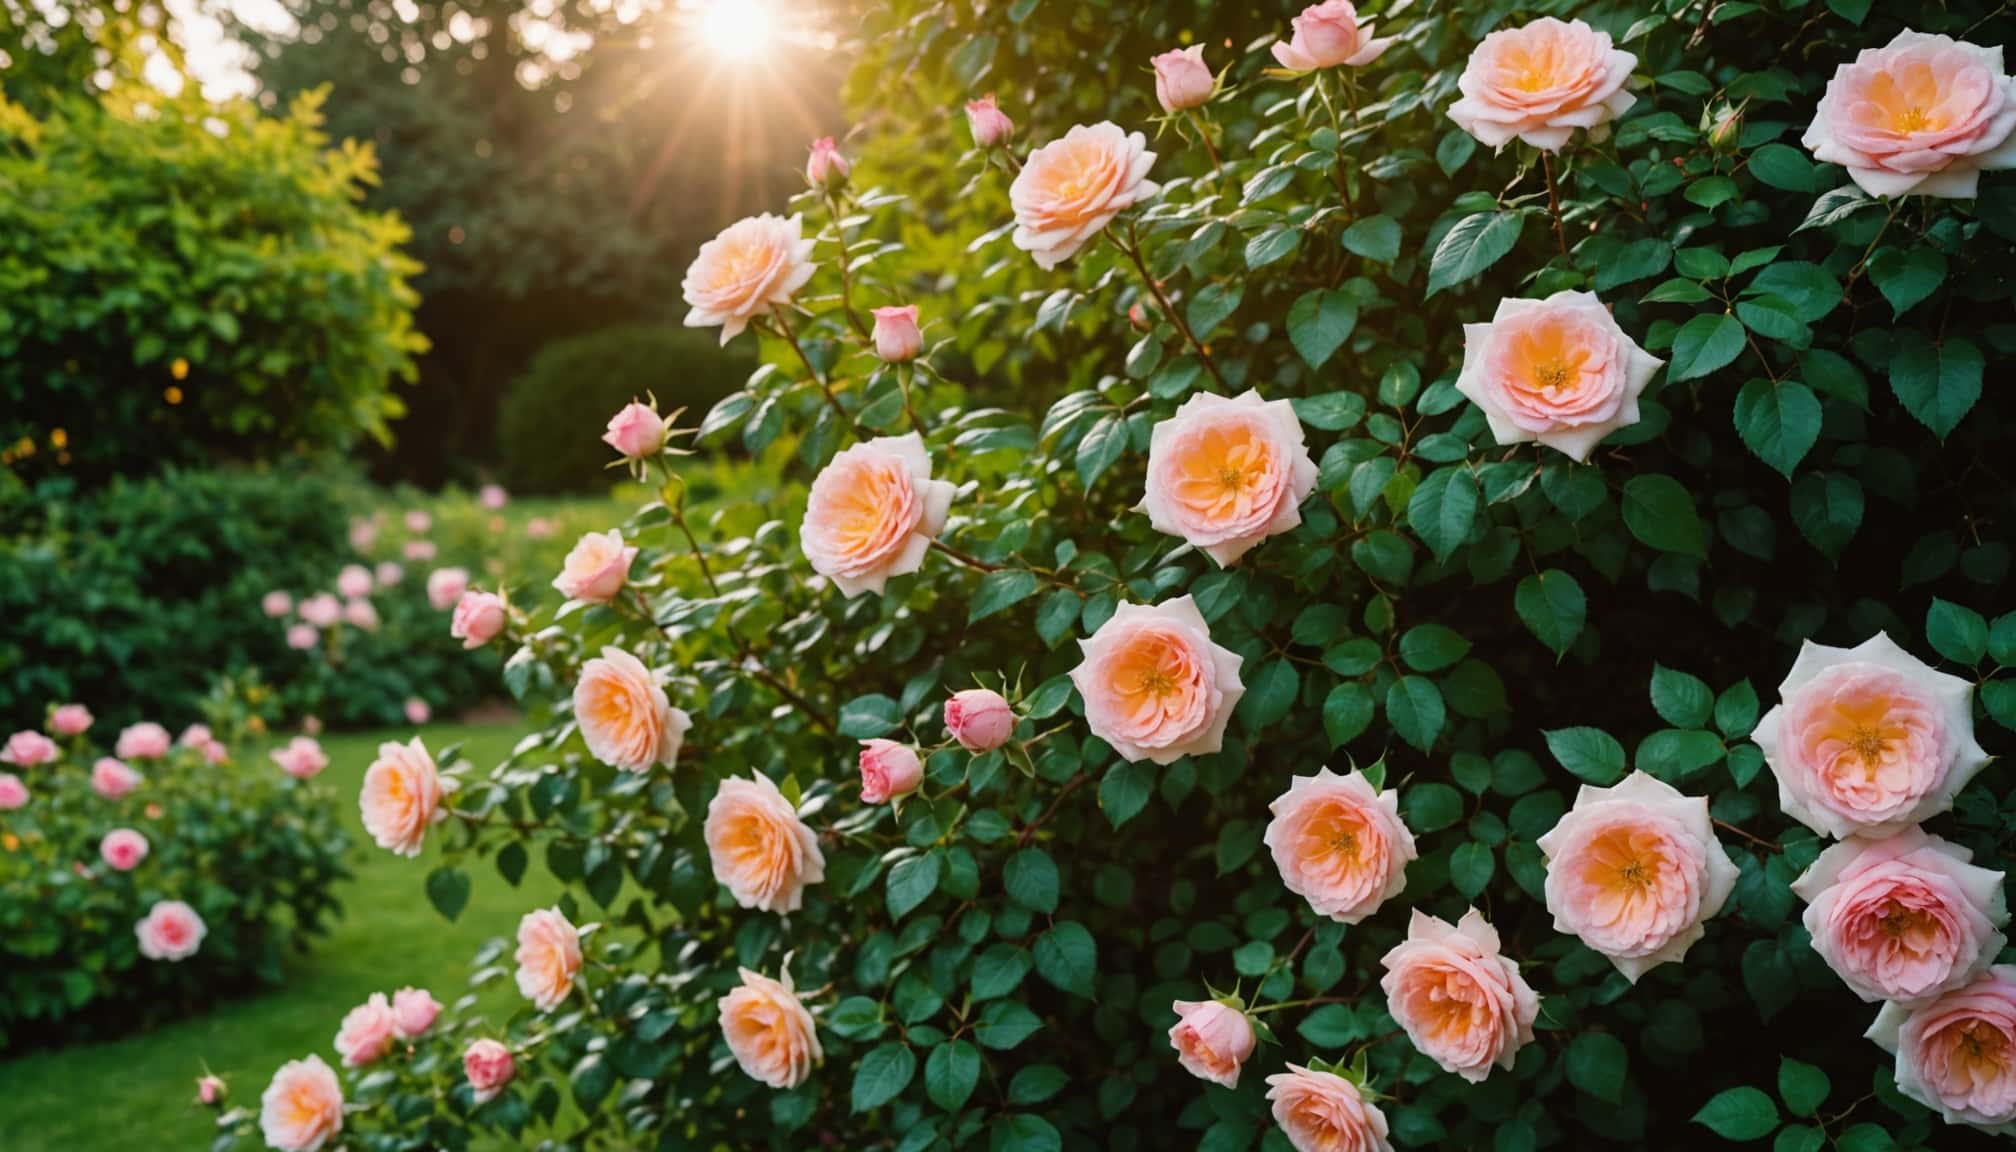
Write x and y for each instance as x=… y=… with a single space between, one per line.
x=979 y=719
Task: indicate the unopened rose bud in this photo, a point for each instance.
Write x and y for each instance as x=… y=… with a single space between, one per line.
x=211 y=1090
x=1728 y=130
x=637 y=432
x=1182 y=79
x=826 y=168
x=979 y=719
x=896 y=336
x=888 y=770
x=991 y=126
x=1138 y=316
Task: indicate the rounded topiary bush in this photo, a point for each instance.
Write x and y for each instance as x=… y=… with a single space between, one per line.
x=548 y=426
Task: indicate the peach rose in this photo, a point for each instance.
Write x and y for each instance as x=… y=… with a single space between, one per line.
x=489 y=1066
x=1463 y=1004
x=769 y=1030
x=112 y=779
x=143 y=741
x=302 y=1108
x=1868 y=740
x=366 y=1032
x=445 y=586
x=1182 y=79
x=302 y=637
x=276 y=604
x=13 y=793
x=1903 y=918
x=1957 y=1054
x=1226 y=474
x=170 y=931
x=353 y=582
x=758 y=846
x=979 y=719
x=897 y=338
x=1633 y=870
x=401 y=797
x=1558 y=370
x=990 y=126
x=549 y=957
x=1155 y=686
x=1339 y=844
x=302 y=758
x=1922 y=115
x=1070 y=189
x=1327 y=35
x=27 y=749
x=596 y=568
x=754 y=266
x=123 y=849
x=888 y=770
x=1540 y=82
x=70 y=720
x=321 y=610
x=826 y=167
x=1212 y=1040
x=1323 y=1112
x=873 y=512
x=478 y=619
x=413 y=1012
x=624 y=714
x=637 y=431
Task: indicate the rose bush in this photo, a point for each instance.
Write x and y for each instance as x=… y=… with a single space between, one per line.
x=1416 y=725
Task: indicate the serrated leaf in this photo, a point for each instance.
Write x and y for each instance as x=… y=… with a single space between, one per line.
x=1474 y=244
x=1590 y=753
x=1318 y=324
x=1779 y=422
x=1707 y=342
x=1552 y=606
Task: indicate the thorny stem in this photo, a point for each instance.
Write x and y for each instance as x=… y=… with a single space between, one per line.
x=1554 y=201
x=846 y=286
x=1132 y=248
x=1029 y=831
x=1757 y=840
x=791 y=338
x=964 y=558
x=1210 y=149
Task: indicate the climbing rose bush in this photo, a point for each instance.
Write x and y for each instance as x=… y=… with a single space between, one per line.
x=1488 y=537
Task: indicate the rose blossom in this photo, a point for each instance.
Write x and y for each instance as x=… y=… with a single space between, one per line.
x=70 y=720
x=758 y=846
x=170 y=931
x=1903 y=918
x=1329 y=34
x=1339 y=844
x=389 y=574
x=445 y=586
x=769 y=1030
x=1155 y=686
x=538 y=528
x=417 y=520
x=419 y=551
x=596 y=568
x=413 y=1012
x=896 y=336
x=418 y=711
x=1070 y=189
x=196 y=736
x=753 y=267
x=624 y=714
x=401 y=798
x=27 y=749
x=303 y=1106
x=1463 y=1004
x=1182 y=79
x=1323 y=1112
x=112 y=779
x=489 y=1067
x=1540 y=82
x=211 y=1090
x=361 y=615
x=1225 y=474
x=276 y=604
x=479 y=617
x=979 y=719
x=123 y=849
x=353 y=582
x=549 y=957
x=636 y=431
x=1921 y=115
x=363 y=533
x=1633 y=870
x=321 y=610
x=493 y=496
x=1558 y=370
x=1212 y=1040
x=366 y=1032
x=13 y=793
x=873 y=512
x=302 y=637
x=143 y=741
x=990 y=126
x=888 y=770
x=1957 y=1054
x=826 y=167
x=1868 y=740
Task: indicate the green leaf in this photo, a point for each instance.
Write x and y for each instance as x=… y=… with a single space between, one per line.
x=1474 y=244
x=1414 y=708
x=1827 y=507
x=1553 y=608
x=1442 y=509
x=1958 y=633
x=1005 y=1024
x=1376 y=238
x=1347 y=712
x=1101 y=447
x=1637 y=260
x=1802 y=1086
x=1779 y=422
x=1739 y=1114
x=1597 y=1064
x=1068 y=957
x=1001 y=590
x=1590 y=753
x=1736 y=710
x=911 y=882
x=1270 y=693
x=950 y=1074
x=1125 y=791
x=1432 y=647
x=1675 y=752
x=1703 y=344
x=882 y=1075
x=856 y=1018
x=1660 y=513
x=1022 y=1132
x=865 y=717
x=1782 y=166
x=1470 y=868
x=1938 y=385
x=1432 y=806
x=1274 y=244
x=1212 y=304
x=1833 y=207
x=1319 y=323
x=1331 y=1026
x=1330 y=411
x=1906 y=278
x=448 y=891
x=1683 y=701
x=1031 y=880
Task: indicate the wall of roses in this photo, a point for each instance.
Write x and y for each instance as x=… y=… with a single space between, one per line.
x=1425 y=577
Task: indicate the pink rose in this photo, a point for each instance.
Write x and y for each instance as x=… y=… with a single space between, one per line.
x=353 y=582
x=445 y=586
x=366 y=1032
x=170 y=931
x=1226 y=474
x=363 y=533
x=413 y=1012
x=1921 y=115
x=625 y=717
x=1323 y=1112
x=361 y=615
x=70 y=720
x=276 y=604
x=196 y=736
x=769 y=1031
x=302 y=1109
x=873 y=512
x=826 y=167
x=1463 y=1004
x=1339 y=844
x=1212 y=1040
x=1957 y=1054
x=596 y=569
x=1904 y=918
x=418 y=551
x=211 y=1090
x=758 y=847
x=322 y=610
x=1868 y=740
x=896 y=336
x=302 y=758
x=1182 y=79
x=417 y=520
x=979 y=719
x=637 y=432
x=401 y=797
x=13 y=793
x=1155 y=686
x=888 y=770
x=1070 y=189
x=143 y=741
x=123 y=849
x=302 y=637
x=418 y=711
x=753 y=267
x=112 y=779
x=539 y=528
x=549 y=958
x=489 y=1067
x=1329 y=34
x=990 y=126
x=1540 y=82
x=389 y=574
x=1558 y=370
x=479 y=617
x=1633 y=870
x=492 y=496
x=27 y=749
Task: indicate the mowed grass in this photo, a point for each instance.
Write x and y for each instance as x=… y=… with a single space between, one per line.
x=136 y=1092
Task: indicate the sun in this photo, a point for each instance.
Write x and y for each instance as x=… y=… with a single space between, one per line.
x=737 y=29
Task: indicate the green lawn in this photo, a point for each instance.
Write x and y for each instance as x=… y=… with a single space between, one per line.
x=136 y=1092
